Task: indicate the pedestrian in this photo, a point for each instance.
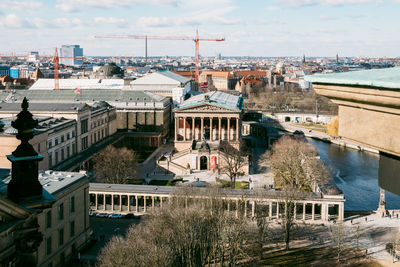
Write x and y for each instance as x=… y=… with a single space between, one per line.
x=366 y=219
x=397 y=215
x=366 y=252
x=351 y=221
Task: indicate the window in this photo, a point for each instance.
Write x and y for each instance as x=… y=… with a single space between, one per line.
x=50 y=143
x=50 y=159
x=68 y=136
x=84 y=142
x=73 y=149
x=61 y=211
x=62 y=153
x=48 y=219
x=56 y=141
x=61 y=237
x=73 y=133
x=72 y=228
x=48 y=245
x=38 y=147
x=84 y=126
x=56 y=157
x=72 y=204
x=62 y=138
x=68 y=151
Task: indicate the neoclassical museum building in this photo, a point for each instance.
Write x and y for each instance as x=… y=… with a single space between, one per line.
x=202 y=122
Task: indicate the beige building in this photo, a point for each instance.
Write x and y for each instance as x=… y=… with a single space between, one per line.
x=65 y=226
x=63 y=130
x=201 y=123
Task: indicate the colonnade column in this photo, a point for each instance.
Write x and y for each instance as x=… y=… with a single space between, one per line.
x=96 y=202
x=193 y=120
x=144 y=198
x=219 y=128
x=184 y=128
x=104 y=201
x=245 y=208
x=295 y=210
x=137 y=203
x=270 y=210
x=202 y=128
x=129 y=203
x=211 y=135
x=176 y=128
x=277 y=210
x=313 y=211
x=237 y=208
x=120 y=202
x=341 y=212
x=112 y=202
x=160 y=202
x=229 y=128
x=304 y=211
x=237 y=129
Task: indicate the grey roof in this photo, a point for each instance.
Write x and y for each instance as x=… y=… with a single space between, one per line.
x=89 y=95
x=217 y=98
x=44 y=107
x=48 y=84
x=174 y=76
x=384 y=78
x=54 y=181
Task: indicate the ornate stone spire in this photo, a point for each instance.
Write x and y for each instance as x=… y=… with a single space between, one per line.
x=24 y=184
x=25 y=125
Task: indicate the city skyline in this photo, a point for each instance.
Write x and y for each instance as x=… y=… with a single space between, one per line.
x=255 y=28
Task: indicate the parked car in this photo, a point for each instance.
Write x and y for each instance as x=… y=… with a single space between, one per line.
x=115 y=216
x=102 y=215
x=129 y=216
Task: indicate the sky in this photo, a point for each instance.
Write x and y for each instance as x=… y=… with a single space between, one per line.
x=269 y=28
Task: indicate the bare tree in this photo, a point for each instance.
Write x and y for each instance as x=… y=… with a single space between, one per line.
x=189 y=232
x=115 y=165
x=234 y=160
x=338 y=238
x=295 y=163
x=263 y=223
x=297 y=170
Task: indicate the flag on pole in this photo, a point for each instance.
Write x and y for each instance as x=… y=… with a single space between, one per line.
x=77 y=91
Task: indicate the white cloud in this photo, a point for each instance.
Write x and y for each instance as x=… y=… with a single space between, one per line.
x=75 y=5
x=272 y=8
x=297 y=3
x=13 y=21
x=20 y=5
x=322 y=17
x=111 y=20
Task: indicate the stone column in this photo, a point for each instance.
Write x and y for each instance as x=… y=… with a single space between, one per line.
x=186 y=202
x=112 y=202
x=129 y=203
x=277 y=210
x=270 y=210
x=237 y=129
x=160 y=202
x=152 y=202
x=137 y=203
x=202 y=128
x=211 y=129
x=176 y=128
x=245 y=208
x=304 y=211
x=253 y=209
x=120 y=202
x=193 y=120
x=313 y=211
x=144 y=199
x=295 y=210
x=219 y=128
x=97 y=202
x=229 y=205
x=341 y=212
x=104 y=201
x=229 y=129
x=184 y=128
x=237 y=208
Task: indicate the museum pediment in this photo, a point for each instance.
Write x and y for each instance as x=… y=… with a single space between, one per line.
x=206 y=107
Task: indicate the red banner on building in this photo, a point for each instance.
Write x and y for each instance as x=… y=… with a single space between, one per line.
x=213 y=162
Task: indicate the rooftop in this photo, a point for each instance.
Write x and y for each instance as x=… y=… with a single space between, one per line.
x=217 y=98
x=384 y=78
x=161 y=78
x=48 y=84
x=55 y=181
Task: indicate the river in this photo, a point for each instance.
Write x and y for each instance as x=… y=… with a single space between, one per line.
x=356 y=174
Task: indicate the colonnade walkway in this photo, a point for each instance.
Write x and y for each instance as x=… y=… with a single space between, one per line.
x=140 y=199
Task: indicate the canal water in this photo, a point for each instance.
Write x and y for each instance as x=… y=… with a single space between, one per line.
x=356 y=174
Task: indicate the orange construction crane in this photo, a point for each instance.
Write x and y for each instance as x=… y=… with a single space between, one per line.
x=174 y=38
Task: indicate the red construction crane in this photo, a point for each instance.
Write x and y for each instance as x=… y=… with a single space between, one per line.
x=174 y=38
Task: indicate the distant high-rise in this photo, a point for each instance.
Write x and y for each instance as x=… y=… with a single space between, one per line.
x=71 y=51
x=337 y=58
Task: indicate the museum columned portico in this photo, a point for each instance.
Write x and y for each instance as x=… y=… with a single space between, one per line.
x=209 y=128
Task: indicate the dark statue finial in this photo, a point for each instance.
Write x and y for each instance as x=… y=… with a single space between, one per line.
x=25 y=125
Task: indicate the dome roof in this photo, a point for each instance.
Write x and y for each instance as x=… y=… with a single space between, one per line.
x=110 y=69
